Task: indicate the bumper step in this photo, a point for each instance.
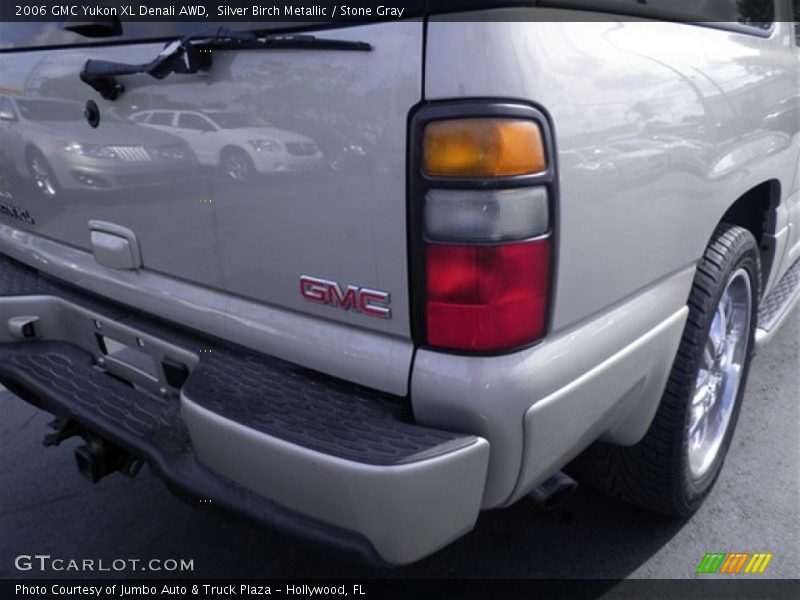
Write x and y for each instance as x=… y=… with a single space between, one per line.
x=270 y=395
x=259 y=435
x=62 y=378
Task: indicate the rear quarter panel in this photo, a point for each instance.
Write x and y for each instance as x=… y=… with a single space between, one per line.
x=660 y=127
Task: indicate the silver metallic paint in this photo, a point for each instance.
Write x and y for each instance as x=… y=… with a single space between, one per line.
x=359 y=355
x=660 y=128
x=406 y=511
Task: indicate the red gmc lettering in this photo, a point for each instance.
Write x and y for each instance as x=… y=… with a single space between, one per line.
x=314 y=289
x=348 y=301
x=373 y=303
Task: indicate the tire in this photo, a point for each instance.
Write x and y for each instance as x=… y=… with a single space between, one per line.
x=673 y=468
x=42 y=176
x=237 y=165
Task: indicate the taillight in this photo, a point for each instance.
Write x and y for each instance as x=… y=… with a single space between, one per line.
x=483 y=148
x=486 y=297
x=482 y=216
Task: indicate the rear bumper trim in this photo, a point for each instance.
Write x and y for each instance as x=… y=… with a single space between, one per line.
x=322 y=458
x=407 y=511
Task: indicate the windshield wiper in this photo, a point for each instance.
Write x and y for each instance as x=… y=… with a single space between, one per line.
x=264 y=40
x=193 y=53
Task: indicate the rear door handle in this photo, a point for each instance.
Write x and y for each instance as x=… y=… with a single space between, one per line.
x=114 y=246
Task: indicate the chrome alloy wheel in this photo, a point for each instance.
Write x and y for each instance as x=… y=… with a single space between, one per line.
x=720 y=374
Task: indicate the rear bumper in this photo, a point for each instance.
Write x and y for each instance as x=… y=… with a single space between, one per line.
x=405 y=511
x=321 y=458
x=539 y=408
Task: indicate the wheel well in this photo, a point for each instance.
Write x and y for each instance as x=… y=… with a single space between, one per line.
x=756 y=211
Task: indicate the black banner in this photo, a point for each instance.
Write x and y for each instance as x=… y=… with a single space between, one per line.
x=344 y=11
x=706 y=589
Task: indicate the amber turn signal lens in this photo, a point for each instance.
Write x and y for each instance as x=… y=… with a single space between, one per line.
x=483 y=148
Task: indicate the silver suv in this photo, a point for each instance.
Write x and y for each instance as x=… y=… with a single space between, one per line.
x=555 y=244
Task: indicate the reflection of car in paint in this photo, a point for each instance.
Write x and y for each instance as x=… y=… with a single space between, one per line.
x=518 y=284
x=6 y=173
x=238 y=143
x=624 y=159
x=638 y=158
x=785 y=116
x=48 y=142
x=343 y=148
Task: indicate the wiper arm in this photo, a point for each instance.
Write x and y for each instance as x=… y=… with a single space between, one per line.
x=181 y=56
x=192 y=54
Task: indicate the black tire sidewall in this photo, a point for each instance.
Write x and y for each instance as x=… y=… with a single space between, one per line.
x=743 y=255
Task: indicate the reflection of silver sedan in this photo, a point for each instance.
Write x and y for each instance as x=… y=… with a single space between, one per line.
x=639 y=159
x=238 y=143
x=786 y=116
x=49 y=142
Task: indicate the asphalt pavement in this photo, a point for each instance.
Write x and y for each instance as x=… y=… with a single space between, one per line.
x=47 y=508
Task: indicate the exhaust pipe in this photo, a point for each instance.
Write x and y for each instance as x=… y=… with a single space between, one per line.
x=554 y=491
x=99 y=458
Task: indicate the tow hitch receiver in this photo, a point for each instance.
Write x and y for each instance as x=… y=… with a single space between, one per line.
x=97 y=457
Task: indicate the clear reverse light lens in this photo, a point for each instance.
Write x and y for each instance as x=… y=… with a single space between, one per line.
x=486 y=215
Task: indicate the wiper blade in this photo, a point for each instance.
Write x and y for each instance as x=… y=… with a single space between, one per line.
x=258 y=40
x=193 y=53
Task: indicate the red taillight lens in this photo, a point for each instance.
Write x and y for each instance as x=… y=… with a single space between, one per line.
x=487 y=298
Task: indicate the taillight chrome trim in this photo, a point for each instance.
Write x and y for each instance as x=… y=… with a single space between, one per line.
x=420 y=182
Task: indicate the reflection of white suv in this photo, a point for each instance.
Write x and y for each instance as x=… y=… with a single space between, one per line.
x=238 y=143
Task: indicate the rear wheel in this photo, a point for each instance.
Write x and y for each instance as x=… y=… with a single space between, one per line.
x=673 y=468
